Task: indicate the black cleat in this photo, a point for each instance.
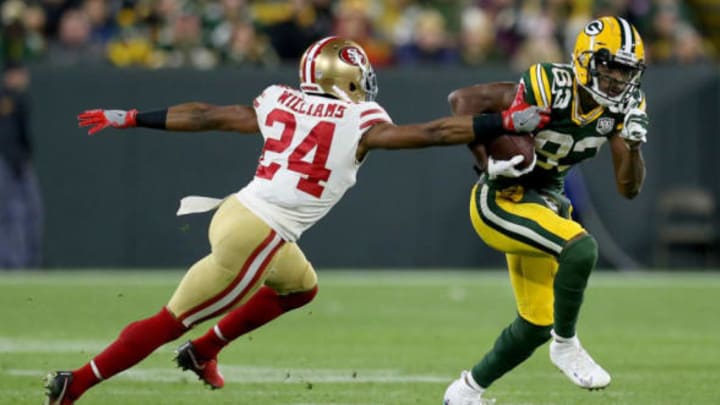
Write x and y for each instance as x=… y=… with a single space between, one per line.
x=206 y=371
x=56 y=386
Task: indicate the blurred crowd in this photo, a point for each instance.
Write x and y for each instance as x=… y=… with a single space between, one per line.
x=208 y=33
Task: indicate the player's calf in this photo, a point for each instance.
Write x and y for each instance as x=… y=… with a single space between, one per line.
x=576 y=262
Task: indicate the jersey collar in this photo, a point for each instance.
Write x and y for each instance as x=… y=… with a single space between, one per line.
x=577 y=117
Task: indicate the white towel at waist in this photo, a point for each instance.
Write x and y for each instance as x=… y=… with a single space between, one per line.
x=194 y=204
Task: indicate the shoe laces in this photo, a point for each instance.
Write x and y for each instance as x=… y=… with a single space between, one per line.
x=582 y=358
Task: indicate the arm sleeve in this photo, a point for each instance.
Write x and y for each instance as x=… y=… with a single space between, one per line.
x=538 y=90
x=371 y=114
x=257 y=102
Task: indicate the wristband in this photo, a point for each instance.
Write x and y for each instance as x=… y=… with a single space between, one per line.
x=487 y=127
x=152 y=119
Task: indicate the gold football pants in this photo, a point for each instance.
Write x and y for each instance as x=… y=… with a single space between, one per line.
x=245 y=254
x=531 y=228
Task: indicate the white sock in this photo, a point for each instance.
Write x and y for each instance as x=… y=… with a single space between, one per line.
x=561 y=339
x=470 y=381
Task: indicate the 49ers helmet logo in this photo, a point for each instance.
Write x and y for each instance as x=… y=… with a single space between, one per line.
x=352 y=56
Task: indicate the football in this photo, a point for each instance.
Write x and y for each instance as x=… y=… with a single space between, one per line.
x=505 y=147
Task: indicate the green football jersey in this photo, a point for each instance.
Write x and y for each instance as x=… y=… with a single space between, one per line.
x=571 y=136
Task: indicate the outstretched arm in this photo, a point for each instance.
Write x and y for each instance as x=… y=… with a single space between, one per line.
x=188 y=117
x=204 y=117
x=443 y=131
x=464 y=129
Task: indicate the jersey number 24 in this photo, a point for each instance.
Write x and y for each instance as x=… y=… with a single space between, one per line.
x=319 y=138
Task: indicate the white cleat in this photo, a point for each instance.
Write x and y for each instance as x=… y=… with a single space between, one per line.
x=465 y=391
x=568 y=355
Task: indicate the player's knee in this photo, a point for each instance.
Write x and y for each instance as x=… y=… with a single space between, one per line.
x=298 y=299
x=299 y=279
x=309 y=279
x=306 y=291
x=296 y=291
x=581 y=254
x=529 y=332
x=538 y=315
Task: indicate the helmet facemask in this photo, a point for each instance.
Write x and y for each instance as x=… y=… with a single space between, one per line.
x=368 y=82
x=612 y=78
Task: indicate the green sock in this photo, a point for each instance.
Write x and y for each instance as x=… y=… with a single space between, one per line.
x=514 y=345
x=576 y=262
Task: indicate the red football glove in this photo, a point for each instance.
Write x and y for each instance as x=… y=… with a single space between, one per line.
x=101 y=119
x=524 y=117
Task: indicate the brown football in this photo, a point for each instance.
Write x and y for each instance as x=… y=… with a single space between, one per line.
x=505 y=147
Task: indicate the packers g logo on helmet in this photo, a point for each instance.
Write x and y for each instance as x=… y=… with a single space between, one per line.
x=339 y=67
x=594 y=28
x=614 y=44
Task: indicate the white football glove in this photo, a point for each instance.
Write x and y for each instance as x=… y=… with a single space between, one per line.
x=506 y=168
x=635 y=126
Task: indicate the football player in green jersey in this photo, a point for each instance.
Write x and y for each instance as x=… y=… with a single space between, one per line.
x=522 y=212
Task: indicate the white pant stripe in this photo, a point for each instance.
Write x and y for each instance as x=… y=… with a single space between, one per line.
x=238 y=289
x=526 y=232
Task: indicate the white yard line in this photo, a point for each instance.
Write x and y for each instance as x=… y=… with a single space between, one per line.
x=233 y=373
x=10 y=345
x=47 y=346
x=253 y=375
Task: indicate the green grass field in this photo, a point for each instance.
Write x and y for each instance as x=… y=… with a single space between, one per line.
x=370 y=338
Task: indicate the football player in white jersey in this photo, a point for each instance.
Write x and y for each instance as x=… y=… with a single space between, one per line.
x=316 y=138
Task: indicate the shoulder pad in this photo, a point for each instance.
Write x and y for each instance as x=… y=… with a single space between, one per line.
x=538 y=85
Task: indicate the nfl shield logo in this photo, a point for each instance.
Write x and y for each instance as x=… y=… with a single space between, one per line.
x=605 y=125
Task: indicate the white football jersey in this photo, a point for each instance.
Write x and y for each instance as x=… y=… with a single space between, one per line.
x=308 y=160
